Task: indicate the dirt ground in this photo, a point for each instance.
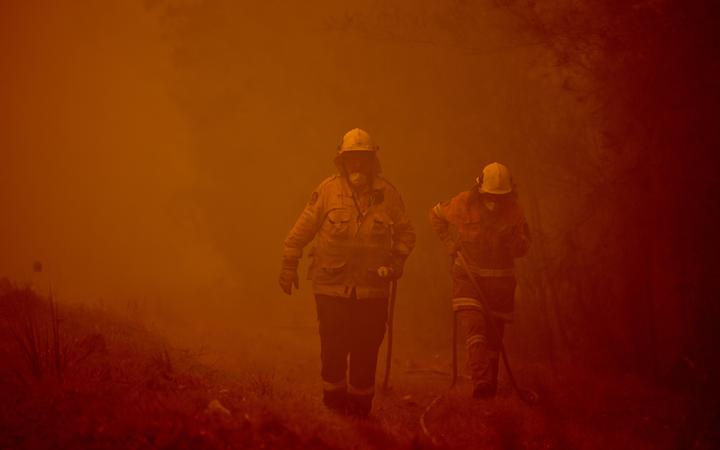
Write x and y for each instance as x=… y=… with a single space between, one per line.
x=580 y=408
x=119 y=384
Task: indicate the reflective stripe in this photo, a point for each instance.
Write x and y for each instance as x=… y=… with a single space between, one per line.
x=472 y=303
x=357 y=391
x=475 y=339
x=437 y=209
x=340 y=385
x=466 y=303
x=490 y=273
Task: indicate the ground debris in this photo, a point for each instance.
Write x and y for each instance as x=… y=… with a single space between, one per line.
x=215 y=408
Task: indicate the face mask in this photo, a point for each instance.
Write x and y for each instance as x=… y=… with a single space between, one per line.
x=358 y=179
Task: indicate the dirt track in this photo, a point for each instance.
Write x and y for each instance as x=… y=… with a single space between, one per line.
x=117 y=384
x=579 y=410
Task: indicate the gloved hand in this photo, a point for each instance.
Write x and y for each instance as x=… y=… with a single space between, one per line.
x=394 y=270
x=386 y=272
x=289 y=275
x=451 y=247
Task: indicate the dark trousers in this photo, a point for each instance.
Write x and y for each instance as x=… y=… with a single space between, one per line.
x=483 y=345
x=351 y=331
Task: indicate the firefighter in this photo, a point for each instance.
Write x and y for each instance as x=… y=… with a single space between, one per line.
x=487 y=228
x=362 y=239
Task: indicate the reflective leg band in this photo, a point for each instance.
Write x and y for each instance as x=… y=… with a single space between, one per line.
x=475 y=339
x=330 y=387
x=357 y=391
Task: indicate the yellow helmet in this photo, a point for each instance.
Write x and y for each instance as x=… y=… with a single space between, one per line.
x=495 y=179
x=357 y=140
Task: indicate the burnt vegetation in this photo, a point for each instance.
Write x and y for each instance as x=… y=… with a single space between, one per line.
x=76 y=377
x=629 y=278
x=120 y=385
x=628 y=281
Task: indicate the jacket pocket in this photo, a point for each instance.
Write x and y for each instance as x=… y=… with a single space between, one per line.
x=329 y=269
x=338 y=223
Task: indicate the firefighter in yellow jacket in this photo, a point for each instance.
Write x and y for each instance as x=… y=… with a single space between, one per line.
x=490 y=231
x=362 y=238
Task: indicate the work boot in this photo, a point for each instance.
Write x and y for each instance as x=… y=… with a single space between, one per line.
x=359 y=405
x=336 y=400
x=484 y=391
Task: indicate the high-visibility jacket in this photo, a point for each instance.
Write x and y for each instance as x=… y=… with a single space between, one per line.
x=490 y=240
x=350 y=244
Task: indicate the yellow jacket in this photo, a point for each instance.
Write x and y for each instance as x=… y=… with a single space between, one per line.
x=350 y=246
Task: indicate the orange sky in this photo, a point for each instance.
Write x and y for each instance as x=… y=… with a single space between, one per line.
x=162 y=150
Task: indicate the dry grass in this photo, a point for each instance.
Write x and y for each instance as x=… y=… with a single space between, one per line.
x=81 y=378
x=35 y=331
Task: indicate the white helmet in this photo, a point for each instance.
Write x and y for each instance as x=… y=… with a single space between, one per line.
x=495 y=179
x=357 y=140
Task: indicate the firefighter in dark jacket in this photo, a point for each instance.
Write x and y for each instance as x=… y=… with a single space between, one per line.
x=487 y=228
x=362 y=238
